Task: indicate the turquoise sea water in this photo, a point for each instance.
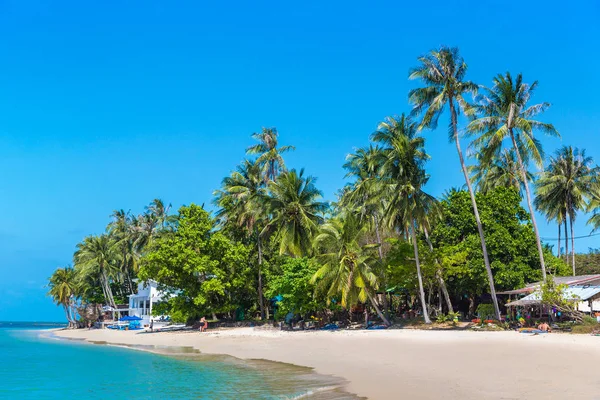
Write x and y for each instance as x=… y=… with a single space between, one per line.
x=35 y=365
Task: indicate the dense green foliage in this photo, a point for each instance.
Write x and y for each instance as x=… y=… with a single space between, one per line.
x=510 y=240
x=209 y=271
x=292 y=282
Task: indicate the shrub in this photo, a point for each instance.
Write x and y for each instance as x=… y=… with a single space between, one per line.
x=485 y=311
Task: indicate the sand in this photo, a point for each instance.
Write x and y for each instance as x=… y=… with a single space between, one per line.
x=409 y=364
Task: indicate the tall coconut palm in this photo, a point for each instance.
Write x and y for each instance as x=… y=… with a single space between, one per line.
x=443 y=73
x=269 y=155
x=241 y=202
x=63 y=289
x=501 y=171
x=160 y=213
x=366 y=194
x=554 y=211
x=566 y=186
x=293 y=201
x=121 y=230
x=503 y=113
x=99 y=256
x=346 y=264
x=403 y=172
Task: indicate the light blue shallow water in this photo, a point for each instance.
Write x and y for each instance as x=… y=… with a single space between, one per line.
x=38 y=367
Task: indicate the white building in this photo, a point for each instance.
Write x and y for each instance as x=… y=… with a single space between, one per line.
x=141 y=304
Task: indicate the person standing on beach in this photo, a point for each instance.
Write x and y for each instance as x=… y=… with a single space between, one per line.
x=203 y=324
x=151 y=325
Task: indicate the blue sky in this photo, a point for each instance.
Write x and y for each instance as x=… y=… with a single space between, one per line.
x=108 y=105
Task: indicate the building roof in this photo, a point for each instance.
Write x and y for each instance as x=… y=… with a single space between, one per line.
x=575 y=293
x=566 y=280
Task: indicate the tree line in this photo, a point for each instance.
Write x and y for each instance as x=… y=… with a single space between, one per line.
x=274 y=245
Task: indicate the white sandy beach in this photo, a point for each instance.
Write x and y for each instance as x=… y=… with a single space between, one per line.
x=409 y=364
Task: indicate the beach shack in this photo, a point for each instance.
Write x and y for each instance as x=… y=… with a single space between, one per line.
x=583 y=290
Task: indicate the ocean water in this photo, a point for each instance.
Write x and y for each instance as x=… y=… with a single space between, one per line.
x=36 y=365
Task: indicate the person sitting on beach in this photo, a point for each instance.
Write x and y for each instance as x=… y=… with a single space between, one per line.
x=544 y=327
x=203 y=324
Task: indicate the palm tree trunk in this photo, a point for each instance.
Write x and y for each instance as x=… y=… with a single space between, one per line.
x=419 y=277
x=386 y=306
x=68 y=315
x=261 y=303
x=110 y=299
x=572 y=245
x=486 y=259
x=438 y=274
x=566 y=242
x=377 y=310
x=558 y=256
x=529 y=204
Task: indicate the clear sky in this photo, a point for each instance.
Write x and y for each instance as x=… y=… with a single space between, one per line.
x=107 y=105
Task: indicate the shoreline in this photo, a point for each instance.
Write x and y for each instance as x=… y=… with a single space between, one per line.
x=412 y=364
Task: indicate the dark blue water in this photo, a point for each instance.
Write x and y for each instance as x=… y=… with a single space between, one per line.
x=34 y=365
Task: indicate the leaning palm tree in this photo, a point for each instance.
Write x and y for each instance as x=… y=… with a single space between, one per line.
x=503 y=113
x=269 y=155
x=99 y=256
x=63 y=288
x=566 y=186
x=443 y=72
x=241 y=202
x=346 y=263
x=293 y=202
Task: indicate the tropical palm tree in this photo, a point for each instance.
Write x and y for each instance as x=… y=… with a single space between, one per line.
x=366 y=195
x=99 y=256
x=63 y=290
x=122 y=231
x=241 y=201
x=293 y=202
x=346 y=264
x=403 y=173
x=503 y=113
x=566 y=186
x=269 y=155
x=160 y=213
x=443 y=72
x=501 y=171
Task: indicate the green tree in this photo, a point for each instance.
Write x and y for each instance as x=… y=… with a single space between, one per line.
x=207 y=271
x=510 y=237
x=62 y=287
x=293 y=201
x=443 y=72
x=566 y=186
x=120 y=229
x=242 y=202
x=403 y=172
x=269 y=154
x=504 y=113
x=366 y=194
x=292 y=282
x=99 y=256
x=500 y=171
x=346 y=264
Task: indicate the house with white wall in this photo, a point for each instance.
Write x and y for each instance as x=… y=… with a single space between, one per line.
x=142 y=303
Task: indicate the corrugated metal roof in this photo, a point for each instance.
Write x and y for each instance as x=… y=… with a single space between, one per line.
x=581 y=293
x=569 y=280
